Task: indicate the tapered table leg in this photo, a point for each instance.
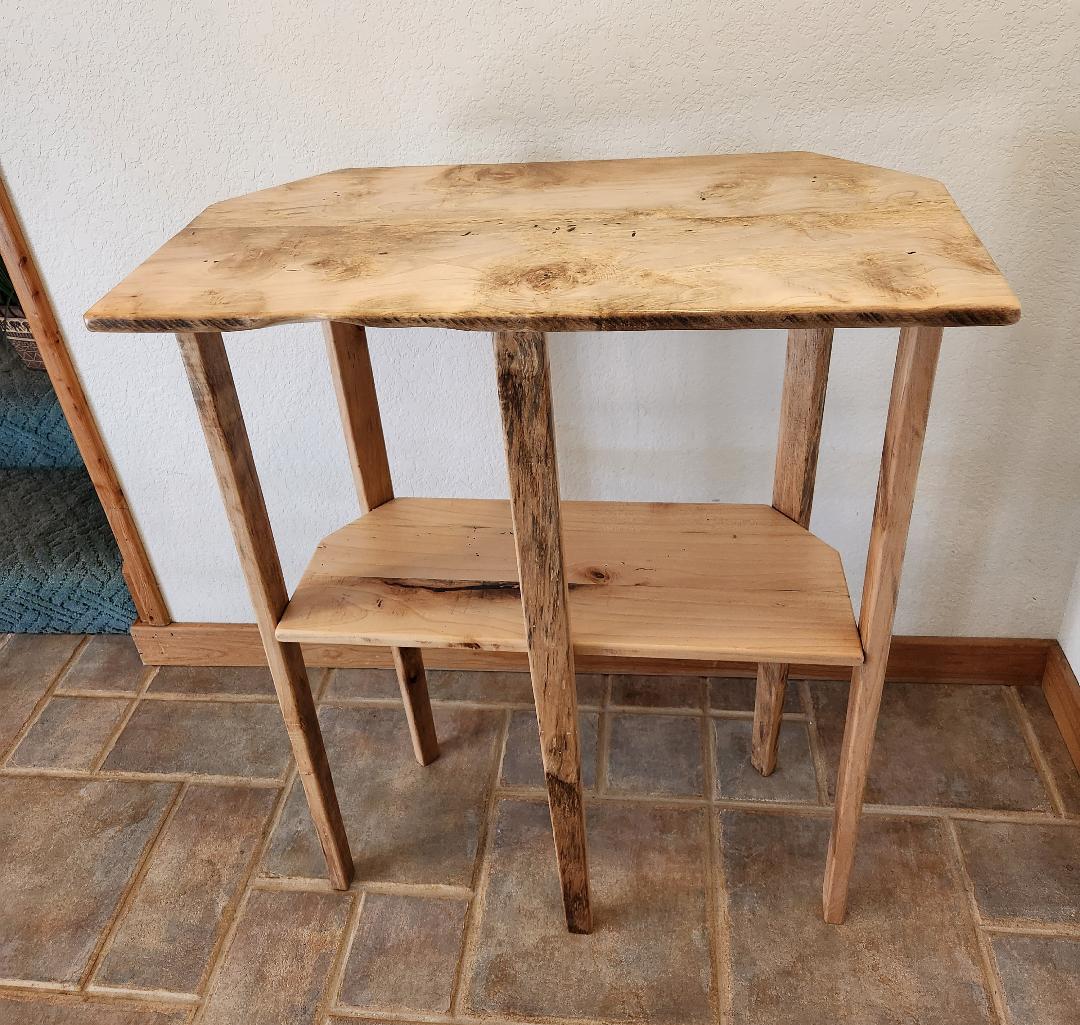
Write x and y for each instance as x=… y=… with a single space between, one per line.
x=525 y=400
x=802 y=407
x=909 y=407
x=227 y=439
x=350 y=365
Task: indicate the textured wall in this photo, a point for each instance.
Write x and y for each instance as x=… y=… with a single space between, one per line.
x=128 y=118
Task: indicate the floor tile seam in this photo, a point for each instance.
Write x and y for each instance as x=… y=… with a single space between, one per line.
x=122 y=724
x=105 y=940
x=988 y=962
x=481 y=706
x=817 y=749
x=226 y=940
x=125 y=776
x=335 y=978
x=232 y=909
x=1031 y=927
x=470 y=930
x=42 y=702
x=1038 y=756
x=716 y=895
x=94 y=997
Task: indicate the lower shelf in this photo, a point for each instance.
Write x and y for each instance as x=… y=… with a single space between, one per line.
x=735 y=582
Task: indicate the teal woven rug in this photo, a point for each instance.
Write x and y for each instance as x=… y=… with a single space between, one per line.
x=59 y=564
x=33 y=431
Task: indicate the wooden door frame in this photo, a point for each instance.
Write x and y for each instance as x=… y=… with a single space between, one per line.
x=36 y=306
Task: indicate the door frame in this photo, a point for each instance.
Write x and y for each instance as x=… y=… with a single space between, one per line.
x=36 y=306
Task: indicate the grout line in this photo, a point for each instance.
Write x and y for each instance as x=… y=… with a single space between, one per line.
x=317 y=884
x=121 y=725
x=481 y=870
x=336 y=976
x=715 y=892
x=46 y=697
x=214 y=699
x=156 y=996
x=489 y=706
x=603 y=739
x=232 y=908
x=817 y=751
x=219 y=954
x=986 y=954
x=1025 y=927
x=725 y=713
x=654 y=710
x=1038 y=756
x=124 y=776
x=37 y=986
x=162 y=1000
x=104 y=942
x=1025 y=818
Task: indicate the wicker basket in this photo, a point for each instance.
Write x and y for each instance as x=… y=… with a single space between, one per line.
x=17 y=331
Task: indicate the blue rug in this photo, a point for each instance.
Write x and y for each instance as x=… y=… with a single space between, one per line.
x=59 y=564
x=33 y=431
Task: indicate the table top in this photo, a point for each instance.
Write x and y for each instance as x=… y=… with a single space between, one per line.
x=768 y=240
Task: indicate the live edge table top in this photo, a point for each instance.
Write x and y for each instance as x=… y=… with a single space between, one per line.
x=770 y=240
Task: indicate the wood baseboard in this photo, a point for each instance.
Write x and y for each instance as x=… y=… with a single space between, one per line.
x=920 y=659
x=1063 y=696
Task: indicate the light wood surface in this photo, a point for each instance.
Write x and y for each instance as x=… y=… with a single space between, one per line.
x=909 y=407
x=35 y=304
x=975 y=660
x=521 y=367
x=412 y=681
x=227 y=439
x=1063 y=696
x=354 y=386
x=646 y=580
x=802 y=408
x=748 y=240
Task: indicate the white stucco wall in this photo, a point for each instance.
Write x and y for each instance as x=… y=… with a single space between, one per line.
x=1069 y=634
x=121 y=120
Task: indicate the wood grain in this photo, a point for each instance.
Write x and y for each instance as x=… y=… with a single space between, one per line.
x=35 y=303
x=521 y=366
x=230 y=450
x=802 y=409
x=652 y=580
x=774 y=240
x=974 y=660
x=354 y=386
x=909 y=408
x=1063 y=696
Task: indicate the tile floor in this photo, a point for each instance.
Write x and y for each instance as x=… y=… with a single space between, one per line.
x=157 y=863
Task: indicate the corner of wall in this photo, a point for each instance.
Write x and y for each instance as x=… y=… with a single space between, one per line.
x=1069 y=632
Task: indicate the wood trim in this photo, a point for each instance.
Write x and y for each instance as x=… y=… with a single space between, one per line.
x=34 y=300
x=1063 y=696
x=1016 y=660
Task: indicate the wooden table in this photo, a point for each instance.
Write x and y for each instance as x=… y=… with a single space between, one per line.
x=796 y=241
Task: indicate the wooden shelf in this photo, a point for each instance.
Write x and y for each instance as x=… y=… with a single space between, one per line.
x=738 y=582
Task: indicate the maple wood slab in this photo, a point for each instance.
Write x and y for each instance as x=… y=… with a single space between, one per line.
x=654 y=580
x=769 y=240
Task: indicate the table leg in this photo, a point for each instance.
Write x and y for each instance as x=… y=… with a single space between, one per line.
x=354 y=384
x=909 y=407
x=525 y=400
x=802 y=406
x=227 y=439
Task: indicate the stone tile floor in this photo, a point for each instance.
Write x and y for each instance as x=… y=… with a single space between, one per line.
x=157 y=863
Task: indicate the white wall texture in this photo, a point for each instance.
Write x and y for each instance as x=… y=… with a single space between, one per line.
x=122 y=119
